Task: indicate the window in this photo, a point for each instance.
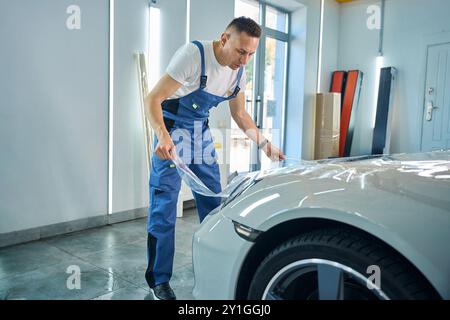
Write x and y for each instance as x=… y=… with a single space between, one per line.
x=276 y=19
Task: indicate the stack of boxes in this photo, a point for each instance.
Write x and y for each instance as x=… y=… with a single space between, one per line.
x=327 y=125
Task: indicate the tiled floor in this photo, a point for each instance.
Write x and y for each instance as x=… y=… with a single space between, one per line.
x=112 y=261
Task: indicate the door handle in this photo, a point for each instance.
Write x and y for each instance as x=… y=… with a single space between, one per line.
x=258 y=111
x=430 y=109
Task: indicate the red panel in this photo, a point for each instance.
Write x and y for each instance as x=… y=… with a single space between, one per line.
x=337 y=81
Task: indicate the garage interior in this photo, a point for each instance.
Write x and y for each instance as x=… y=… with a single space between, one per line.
x=74 y=166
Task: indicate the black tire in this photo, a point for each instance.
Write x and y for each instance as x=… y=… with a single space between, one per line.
x=355 y=250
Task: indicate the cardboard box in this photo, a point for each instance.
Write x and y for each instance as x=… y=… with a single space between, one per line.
x=327 y=125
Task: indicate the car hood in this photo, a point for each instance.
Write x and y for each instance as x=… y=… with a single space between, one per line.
x=430 y=165
x=403 y=172
x=405 y=175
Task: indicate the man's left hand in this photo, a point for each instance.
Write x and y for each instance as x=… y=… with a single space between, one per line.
x=273 y=152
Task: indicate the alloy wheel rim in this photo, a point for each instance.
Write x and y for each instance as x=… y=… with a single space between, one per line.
x=321 y=279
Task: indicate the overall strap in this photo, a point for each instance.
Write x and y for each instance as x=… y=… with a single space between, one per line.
x=203 y=77
x=237 y=88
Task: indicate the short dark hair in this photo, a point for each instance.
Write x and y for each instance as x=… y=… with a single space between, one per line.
x=247 y=25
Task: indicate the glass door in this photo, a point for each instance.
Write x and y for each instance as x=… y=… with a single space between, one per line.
x=271 y=111
x=266 y=83
x=240 y=145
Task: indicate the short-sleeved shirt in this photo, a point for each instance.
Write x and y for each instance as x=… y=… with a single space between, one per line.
x=185 y=68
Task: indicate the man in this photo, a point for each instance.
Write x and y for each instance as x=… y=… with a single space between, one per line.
x=199 y=76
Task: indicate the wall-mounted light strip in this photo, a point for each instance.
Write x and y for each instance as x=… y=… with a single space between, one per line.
x=380 y=46
x=319 y=62
x=379 y=62
x=111 y=106
x=188 y=20
x=155 y=46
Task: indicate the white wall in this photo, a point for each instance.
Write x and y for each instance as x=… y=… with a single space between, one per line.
x=330 y=46
x=130 y=185
x=358 y=49
x=406 y=24
x=295 y=86
x=173 y=28
x=53 y=113
x=311 y=61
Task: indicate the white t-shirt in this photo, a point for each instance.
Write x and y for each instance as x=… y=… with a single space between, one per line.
x=185 y=67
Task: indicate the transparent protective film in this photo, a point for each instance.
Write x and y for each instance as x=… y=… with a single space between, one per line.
x=433 y=165
x=198 y=186
x=285 y=166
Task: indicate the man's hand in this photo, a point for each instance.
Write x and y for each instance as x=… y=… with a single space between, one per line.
x=273 y=152
x=165 y=149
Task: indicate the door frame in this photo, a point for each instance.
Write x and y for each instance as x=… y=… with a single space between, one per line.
x=428 y=40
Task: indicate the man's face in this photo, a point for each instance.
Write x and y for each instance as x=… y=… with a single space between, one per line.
x=238 y=48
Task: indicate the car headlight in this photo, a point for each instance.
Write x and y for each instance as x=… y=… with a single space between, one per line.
x=245 y=232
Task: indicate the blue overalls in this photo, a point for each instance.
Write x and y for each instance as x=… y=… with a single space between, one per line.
x=165 y=181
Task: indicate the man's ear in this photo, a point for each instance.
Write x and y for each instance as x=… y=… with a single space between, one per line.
x=224 y=38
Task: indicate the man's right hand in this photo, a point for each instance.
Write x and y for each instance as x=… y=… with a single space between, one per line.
x=165 y=149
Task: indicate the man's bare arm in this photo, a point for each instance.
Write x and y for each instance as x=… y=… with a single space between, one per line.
x=165 y=87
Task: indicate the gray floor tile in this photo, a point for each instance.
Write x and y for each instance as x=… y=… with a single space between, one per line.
x=138 y=226
x=27 y=257
x=181 y=259
x=190 y=216
x=128 y=262
x=183 y=277
x=94 y=240
x=112 y=259
x=50 y=283
x=182 y=226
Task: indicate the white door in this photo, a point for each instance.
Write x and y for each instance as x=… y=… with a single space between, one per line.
x=436 y=115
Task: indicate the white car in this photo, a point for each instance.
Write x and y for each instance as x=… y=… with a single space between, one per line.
x=375 y=227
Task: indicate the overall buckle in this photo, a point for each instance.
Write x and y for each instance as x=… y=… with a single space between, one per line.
x=203 y=80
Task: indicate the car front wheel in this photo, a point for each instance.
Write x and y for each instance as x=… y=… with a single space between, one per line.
x=337 y=264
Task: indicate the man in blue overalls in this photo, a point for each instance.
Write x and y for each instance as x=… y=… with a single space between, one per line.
x=200 y=76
